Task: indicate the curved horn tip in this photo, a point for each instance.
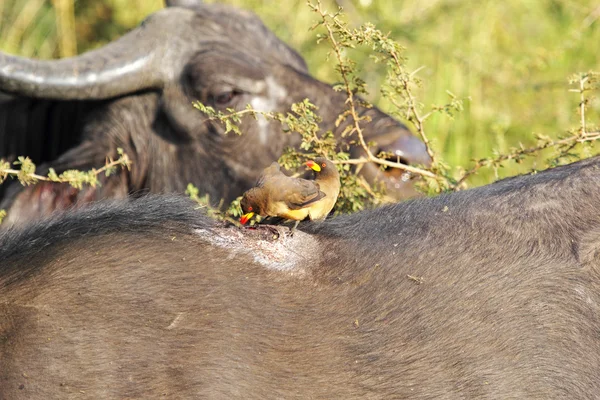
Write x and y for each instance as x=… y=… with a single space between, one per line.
x=183 y=3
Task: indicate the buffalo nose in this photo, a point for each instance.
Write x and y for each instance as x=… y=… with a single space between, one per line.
x=407 y=149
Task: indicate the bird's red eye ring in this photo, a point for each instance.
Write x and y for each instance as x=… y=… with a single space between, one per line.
x=323 y=165
x=249 y=208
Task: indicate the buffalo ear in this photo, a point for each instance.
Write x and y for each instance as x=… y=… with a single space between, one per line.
x=183 y=3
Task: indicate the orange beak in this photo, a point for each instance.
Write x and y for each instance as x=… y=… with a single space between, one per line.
x=313 y=165
x=246 y=217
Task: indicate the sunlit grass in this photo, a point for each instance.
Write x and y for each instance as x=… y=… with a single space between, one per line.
x=44 y=28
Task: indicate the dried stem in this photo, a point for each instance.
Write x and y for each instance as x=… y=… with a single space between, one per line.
x=33 y=177
x=564 y=145
x=351 y=102
x=582 y=103
x=570 y=142
x=415 y=117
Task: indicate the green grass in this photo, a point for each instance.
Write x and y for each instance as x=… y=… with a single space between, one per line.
x=512 y=59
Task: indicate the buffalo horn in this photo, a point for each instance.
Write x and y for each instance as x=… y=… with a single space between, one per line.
x=134 y=62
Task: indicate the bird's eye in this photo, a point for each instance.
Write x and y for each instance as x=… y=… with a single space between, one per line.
x=249 y=208
x=323 y=165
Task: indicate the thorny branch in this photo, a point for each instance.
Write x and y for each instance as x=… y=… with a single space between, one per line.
x=400 y=81
x=27 y=176
x=344 y=70
x=562 y=145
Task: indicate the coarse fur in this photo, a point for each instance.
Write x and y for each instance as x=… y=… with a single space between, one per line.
x=489 y=293
x=225 y=58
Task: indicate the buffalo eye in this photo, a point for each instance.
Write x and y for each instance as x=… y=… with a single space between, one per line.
x=224 y=98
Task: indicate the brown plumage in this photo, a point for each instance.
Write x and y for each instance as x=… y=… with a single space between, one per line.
x=327 y=178
x=278 y=195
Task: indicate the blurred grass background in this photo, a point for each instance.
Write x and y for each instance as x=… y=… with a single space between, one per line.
x=511 y=58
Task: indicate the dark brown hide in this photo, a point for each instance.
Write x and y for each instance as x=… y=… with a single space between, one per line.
x=490 y=293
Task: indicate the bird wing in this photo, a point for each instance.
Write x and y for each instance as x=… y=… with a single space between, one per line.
x=271 y=171
x=300 y=193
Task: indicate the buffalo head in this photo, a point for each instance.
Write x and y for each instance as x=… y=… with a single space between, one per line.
x=137 y=92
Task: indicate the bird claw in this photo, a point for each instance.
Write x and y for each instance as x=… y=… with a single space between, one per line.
x=274 y=231
x=282 y=231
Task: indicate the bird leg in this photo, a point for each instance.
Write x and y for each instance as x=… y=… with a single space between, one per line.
x=274 y=231
x=294 y=228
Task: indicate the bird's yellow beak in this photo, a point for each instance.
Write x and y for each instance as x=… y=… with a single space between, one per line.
x=246 y=217
x=313 y=165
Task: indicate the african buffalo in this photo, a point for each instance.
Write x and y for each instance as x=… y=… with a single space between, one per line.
x=137 y=92
x=490 y=293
